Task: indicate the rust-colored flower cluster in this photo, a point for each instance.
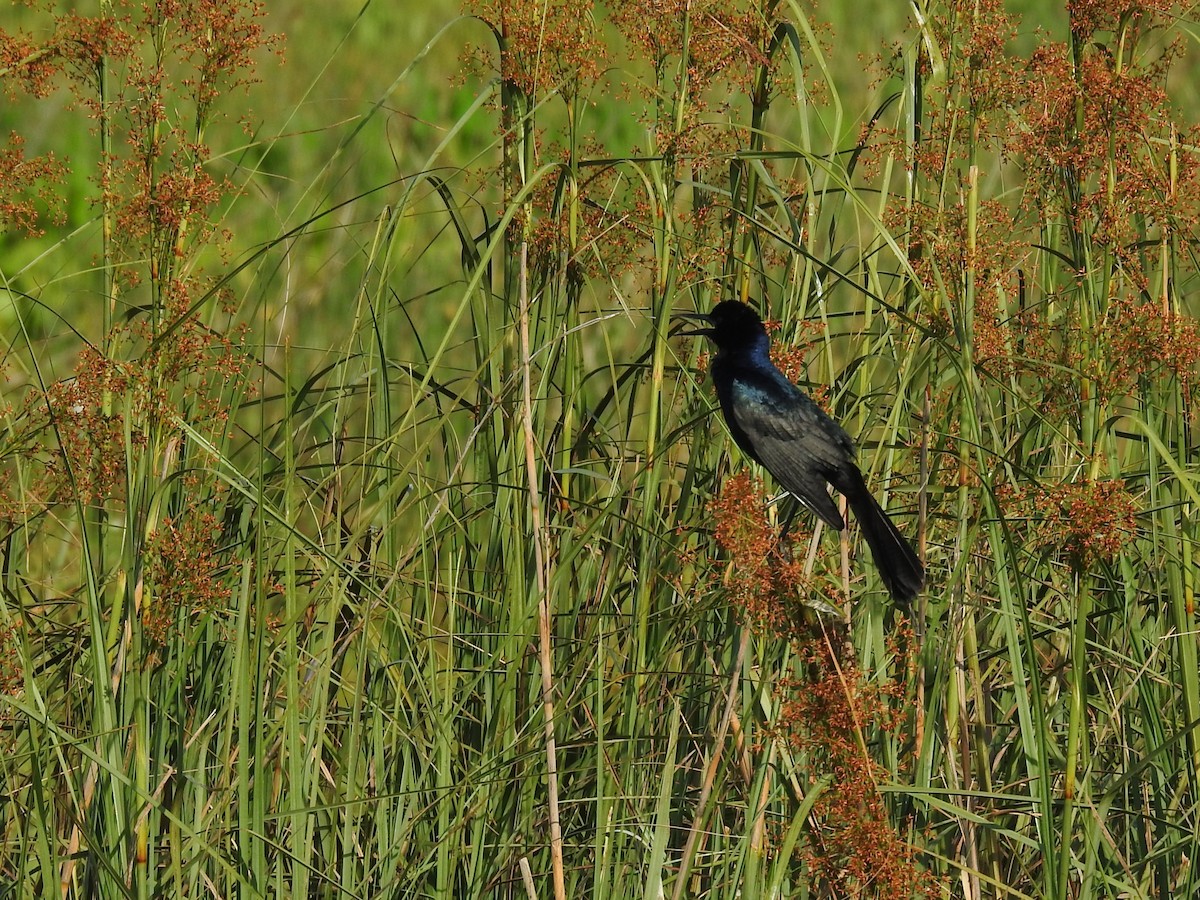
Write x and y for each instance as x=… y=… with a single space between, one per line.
x=1089 y=16
x=545 y=47
x=186 y=577
x=854 y=850
x=89 y=412
x=1083 y=522
x=765 y=582
x=725 y=39
x=1088 y=150
x=791 y=357
x=176 y=59
x=110 y=408
x=1067 y=359
x=28 y=198
x=1143 y=339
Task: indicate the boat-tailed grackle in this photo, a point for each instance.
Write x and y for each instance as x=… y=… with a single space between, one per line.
x=781 y=428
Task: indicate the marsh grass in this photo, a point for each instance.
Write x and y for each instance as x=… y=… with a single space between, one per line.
x=451 y=585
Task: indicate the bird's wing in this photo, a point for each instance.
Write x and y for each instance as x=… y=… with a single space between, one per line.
x=795 y=441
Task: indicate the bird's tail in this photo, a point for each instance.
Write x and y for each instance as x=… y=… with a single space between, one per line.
x=901 y=570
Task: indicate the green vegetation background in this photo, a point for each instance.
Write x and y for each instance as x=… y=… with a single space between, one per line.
x=427 y=597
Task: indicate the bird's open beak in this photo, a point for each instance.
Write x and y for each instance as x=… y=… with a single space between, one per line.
x=696 y=317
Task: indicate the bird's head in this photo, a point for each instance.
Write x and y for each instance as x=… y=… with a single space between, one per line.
x=731 y=325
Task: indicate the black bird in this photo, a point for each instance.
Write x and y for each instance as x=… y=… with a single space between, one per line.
x=781 y=428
